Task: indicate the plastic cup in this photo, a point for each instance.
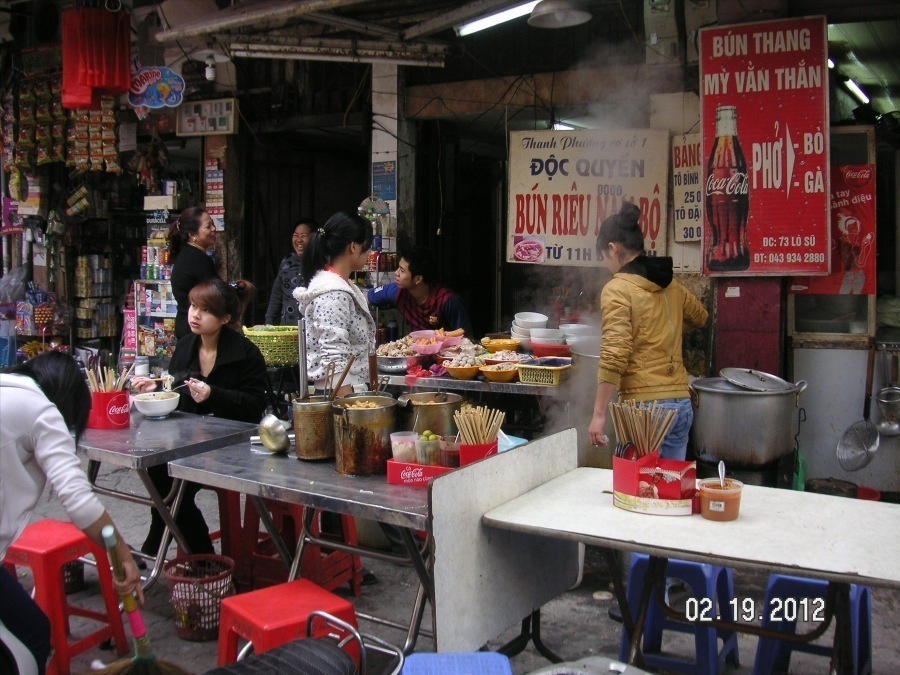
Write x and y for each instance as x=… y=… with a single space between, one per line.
x=717 y=503
x=428 y=452
x=449 y=448
x=403 y=446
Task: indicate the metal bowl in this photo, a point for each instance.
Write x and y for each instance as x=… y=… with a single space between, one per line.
x=399 y=364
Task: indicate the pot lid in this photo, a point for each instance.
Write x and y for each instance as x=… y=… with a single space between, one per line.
x=755 y=380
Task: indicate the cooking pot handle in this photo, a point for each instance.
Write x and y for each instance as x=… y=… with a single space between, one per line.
x=695 y=395
x=801 y=387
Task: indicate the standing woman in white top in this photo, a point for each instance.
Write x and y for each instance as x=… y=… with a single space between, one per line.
x=41 y=402
x=338 y=321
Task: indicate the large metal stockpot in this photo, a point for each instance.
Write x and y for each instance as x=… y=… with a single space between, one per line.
x=744 y=425
x=432 y=411
x=362 y=436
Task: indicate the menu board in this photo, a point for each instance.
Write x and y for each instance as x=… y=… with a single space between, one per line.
x=764 y=118
x=687 y=189
x=564 y=184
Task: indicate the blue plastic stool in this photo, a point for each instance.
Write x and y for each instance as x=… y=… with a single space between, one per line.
x=704 y=581
x=476 y=663
x=774 y=654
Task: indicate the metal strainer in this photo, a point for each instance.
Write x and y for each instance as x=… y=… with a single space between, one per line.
x=858 y=445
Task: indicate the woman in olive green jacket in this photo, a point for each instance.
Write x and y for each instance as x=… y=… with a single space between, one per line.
x=643 y=309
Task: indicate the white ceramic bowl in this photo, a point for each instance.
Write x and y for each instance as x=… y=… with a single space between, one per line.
x=548 y=333
x=156 y=404
x=548 y=341
x=585 y=344
x=519 y=333
x=579 y=329
x=531 y=320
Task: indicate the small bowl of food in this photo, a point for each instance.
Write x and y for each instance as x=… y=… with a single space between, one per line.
x=156 y=405
x=500 y=372
x=426 y=347
x=531 y=320
x=717 y=502
x=503 y=356
x=500 y=345
x=423 y=335
x=461 y=372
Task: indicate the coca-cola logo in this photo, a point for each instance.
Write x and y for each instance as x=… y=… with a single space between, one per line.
x=118 y=409
x=735 y=184
x=858 y=176
x=412 y=473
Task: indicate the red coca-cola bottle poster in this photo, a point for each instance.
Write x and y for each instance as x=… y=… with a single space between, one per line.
x=764 y=118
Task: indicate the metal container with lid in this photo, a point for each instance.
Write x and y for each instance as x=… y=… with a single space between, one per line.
x=432 y=411
x=745 y=416
x=313 y=428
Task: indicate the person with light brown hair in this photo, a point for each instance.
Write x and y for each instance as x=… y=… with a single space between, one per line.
x=225 y=375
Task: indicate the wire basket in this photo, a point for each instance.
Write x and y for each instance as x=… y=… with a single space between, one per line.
x=197 y=584
x=549 y=371
x=278 y=344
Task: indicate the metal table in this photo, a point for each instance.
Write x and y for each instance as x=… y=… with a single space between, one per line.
x=146 y=443
x=317 y=485
x=843 y=541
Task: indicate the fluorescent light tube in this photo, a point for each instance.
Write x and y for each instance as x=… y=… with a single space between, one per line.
x=856 y=91
x=830 y=64
x=562 y=126
x=494 y=19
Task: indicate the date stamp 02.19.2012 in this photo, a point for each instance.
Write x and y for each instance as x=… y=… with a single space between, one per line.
x=803 y=610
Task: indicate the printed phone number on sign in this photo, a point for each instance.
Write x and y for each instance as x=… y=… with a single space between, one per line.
x=808 y=241
x=788 y=257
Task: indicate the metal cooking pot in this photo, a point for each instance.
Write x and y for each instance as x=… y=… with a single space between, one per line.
x=313 y=428
x=363 y=435
x=431 y=411
x=746 y=419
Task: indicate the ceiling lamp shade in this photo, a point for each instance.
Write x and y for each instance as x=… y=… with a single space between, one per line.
x=558 y=14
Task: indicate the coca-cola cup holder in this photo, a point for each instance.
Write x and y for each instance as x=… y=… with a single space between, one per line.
x=109 y=410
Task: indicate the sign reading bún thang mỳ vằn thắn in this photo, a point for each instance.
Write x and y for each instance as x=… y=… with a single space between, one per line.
x=564 y=184
x=765 y=148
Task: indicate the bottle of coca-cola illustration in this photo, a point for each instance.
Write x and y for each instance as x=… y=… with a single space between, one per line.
x=727 y=197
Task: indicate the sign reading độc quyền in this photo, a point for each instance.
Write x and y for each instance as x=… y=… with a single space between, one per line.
x=564 y=184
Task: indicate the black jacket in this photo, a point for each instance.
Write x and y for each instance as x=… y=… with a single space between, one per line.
x=237 y=381
x=191 y=266
x=282 y=309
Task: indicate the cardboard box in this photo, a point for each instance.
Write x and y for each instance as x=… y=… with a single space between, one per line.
x=415 y=475
x=649 y=484
x=153 y=202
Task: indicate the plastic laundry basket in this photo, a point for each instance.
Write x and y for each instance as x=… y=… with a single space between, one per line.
x=197 y=584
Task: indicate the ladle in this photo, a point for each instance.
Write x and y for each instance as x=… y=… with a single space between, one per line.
x=722 y=473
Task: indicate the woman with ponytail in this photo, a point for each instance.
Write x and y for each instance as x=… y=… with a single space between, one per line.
x=643 y=308
x=225 y=375
x=338 y=322
x=191 y=235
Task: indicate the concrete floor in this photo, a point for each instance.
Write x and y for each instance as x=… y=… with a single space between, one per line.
x=574 y=625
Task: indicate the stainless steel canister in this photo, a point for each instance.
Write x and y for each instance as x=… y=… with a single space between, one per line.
x=313 y=428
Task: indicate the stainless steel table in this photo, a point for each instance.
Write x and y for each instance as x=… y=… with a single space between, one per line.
x=317 y=485
x=146 y=443
x=843 y=541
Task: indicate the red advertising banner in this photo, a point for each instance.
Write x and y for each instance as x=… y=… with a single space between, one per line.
x=764 y=118
x=852 y=235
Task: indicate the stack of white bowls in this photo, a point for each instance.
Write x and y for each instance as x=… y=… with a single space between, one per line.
x=524 y=323
x=547 y=336
x=582 y=337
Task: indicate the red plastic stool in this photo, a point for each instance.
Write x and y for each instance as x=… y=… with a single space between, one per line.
x=257 y=564
x=45 y=547
x=272 y=616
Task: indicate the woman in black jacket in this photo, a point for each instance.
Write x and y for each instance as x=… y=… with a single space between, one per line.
x=225 y=375
x=282 y=309
x=190 y=237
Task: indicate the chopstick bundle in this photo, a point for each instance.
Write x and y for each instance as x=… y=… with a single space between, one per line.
x=642 y=425
x=478 y=425
x=106 y=380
